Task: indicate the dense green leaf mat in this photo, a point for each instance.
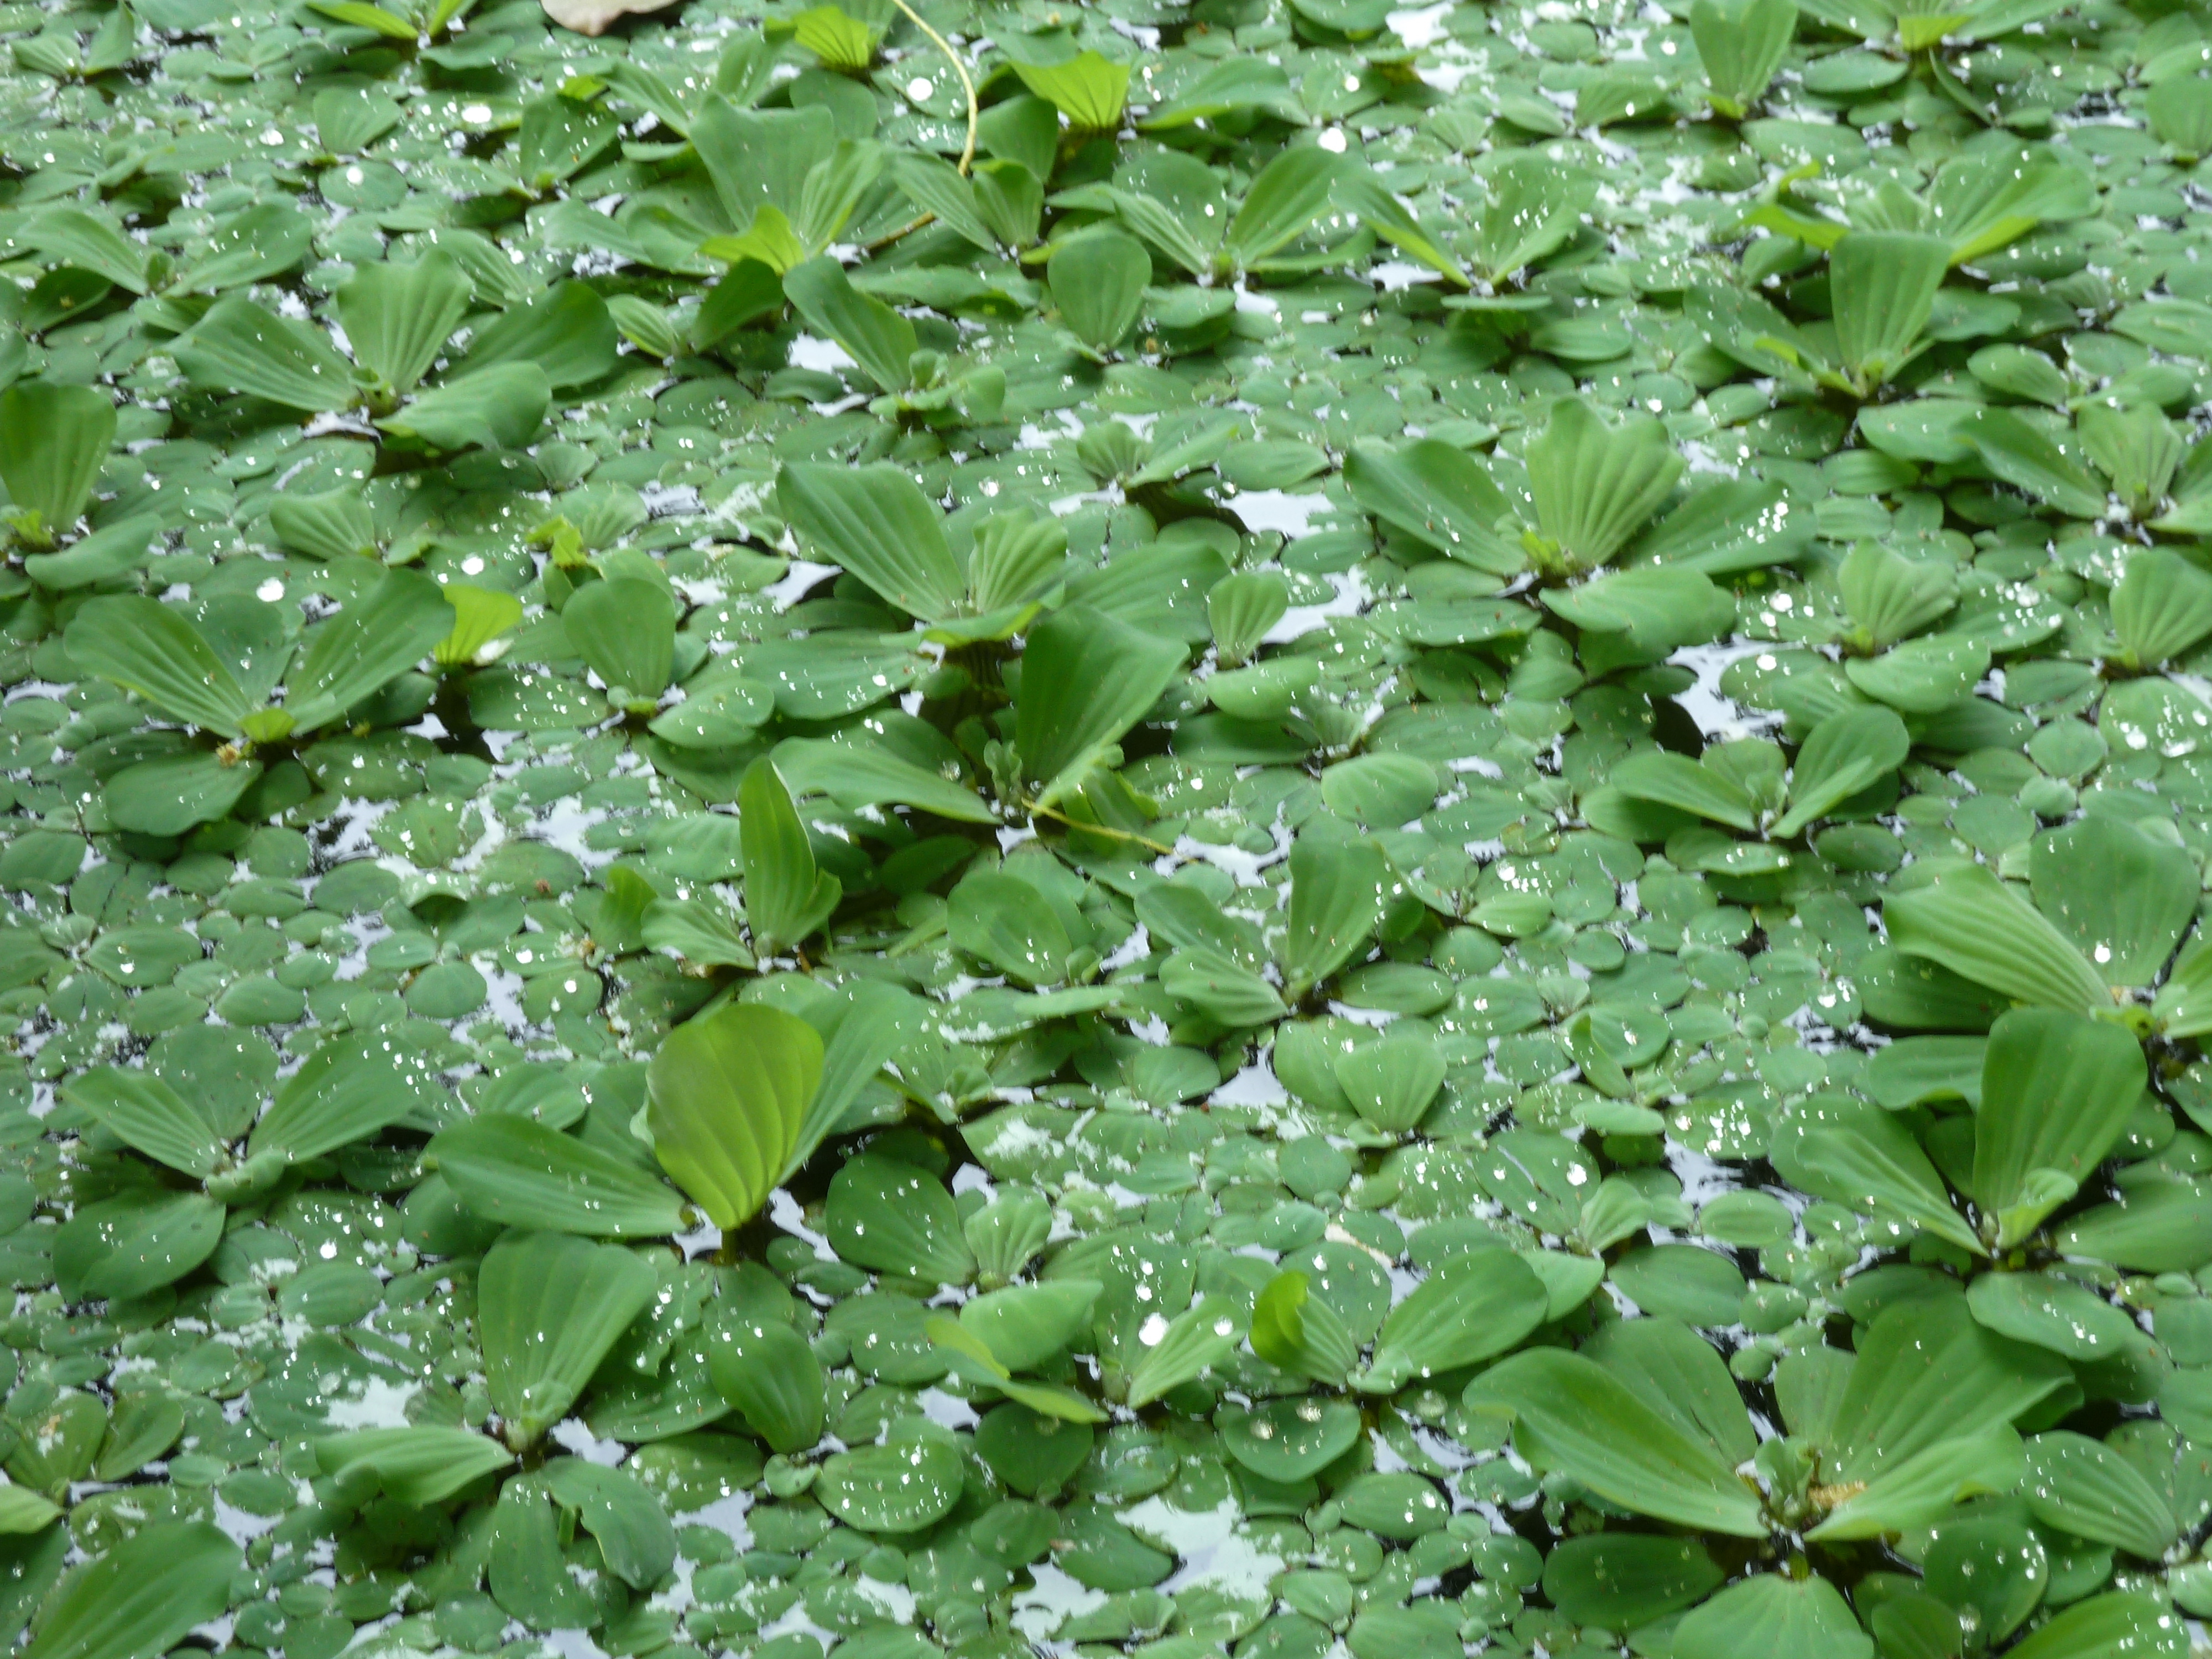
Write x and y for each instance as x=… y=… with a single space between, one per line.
x=1264 y=828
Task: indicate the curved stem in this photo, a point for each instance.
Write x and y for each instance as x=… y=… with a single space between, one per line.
x=967 y=83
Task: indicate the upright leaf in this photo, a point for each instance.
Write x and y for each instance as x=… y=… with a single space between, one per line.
x=1741 y=43
x=1438 y=494
x=368 y=645
x=149 y=647
x=880 y=340
x=1596 y=485
x=1336 y=899
x=550 y=1306
x=786 y=897
x=725 y=1098
x=141 y=1597
x=240 y=347
x=1981 y=929
x=2057 y=1089
x=1098 y=283
x=624 y=627
x=1584 y=1422
x=2161 y=607
x=1086 y=678
x=516 y=1171
x=1882 y=286
x=53 y=441
x=398 y=317
x=875 y=521
x=2122 y=898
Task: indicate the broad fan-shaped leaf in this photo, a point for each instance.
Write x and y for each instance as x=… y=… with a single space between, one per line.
x=875 y=521
x=240 y=347
x=624 y=627
x=1596 y=485
x=2057 y=1091
x=141 y=1597
x=53 y=441
x=1440 y=494
x=2162 y=606
x=892 y=1217
x=727 y=1096
x=1741 y=44
x=1982 y=930
x=514 y=1170
x=397 y=317
x=1469 y=1309
x=1882 y=285
x=549 y=1308
x=2122 y=898
x=787 y=895
x=1584 y=1422
x=768 y=1374
x=1098 y=282
x=1086 y=678
x=149 y=647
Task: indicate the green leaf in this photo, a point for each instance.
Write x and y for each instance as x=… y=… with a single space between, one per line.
x=2081 y=1487
x=261 y=241
x=1770 y=1614
x=550 y=1307
x=1439 y=495
x=1679 y=1374
x=1741 y=44
x=1590 y=1426
x=786 y=897
x=566 y=334
x=2153 y=1226
x=89 y=242
x=239 y=347
x=1024 y=1326
x=1991 y=1569
x=1195 y=1341
x=142 y=1597
x=139 y=1108
x=2161 y=607
x=1336 y=899
x=1844 y=754
x=1594 y=485
x=1882 y=285
x=1622 y=1581
x=1921 y=1489
x=880 y=340
x=53 y=441
x=624 y=627
x=861 y=1030
x=1532 y=206
x=1086 y=678
x=121 y=1248
x=368 y=645
x=999 y=918
x=110 y=551
x=2127 y=1622
x=1926 y=1373
x=149 y=647
x=725 y=1098
x=2021 y=456
x=1981 y=929
x=1469 y=1309
x=418 y=1465
x=1676 y=781
x=501 y=407
x=2121 y=898
x=1859 y=1154
x=876 y=522
x=1290 y=1438
x=1361 y=191
x=2057 y=1089
x=352 y=1086
x=900 y=1487
x=397 y=317
x=895 y=1218
x=1391 y=1084
x=481 y=615
x=2051 y=1313
x=634 y=1537
x=768 y=1375
x=170 y=795
x=516 y=1171
x=1087 y=89
x=1098 y=282
x=332 y=523
x=1890 y=596
x=1284 y=200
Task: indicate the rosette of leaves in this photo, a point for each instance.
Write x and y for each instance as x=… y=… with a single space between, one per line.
x=398 y=320
x=155 y=1231
x=1750 y=786
x=216 y=669
x=2105 y=906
